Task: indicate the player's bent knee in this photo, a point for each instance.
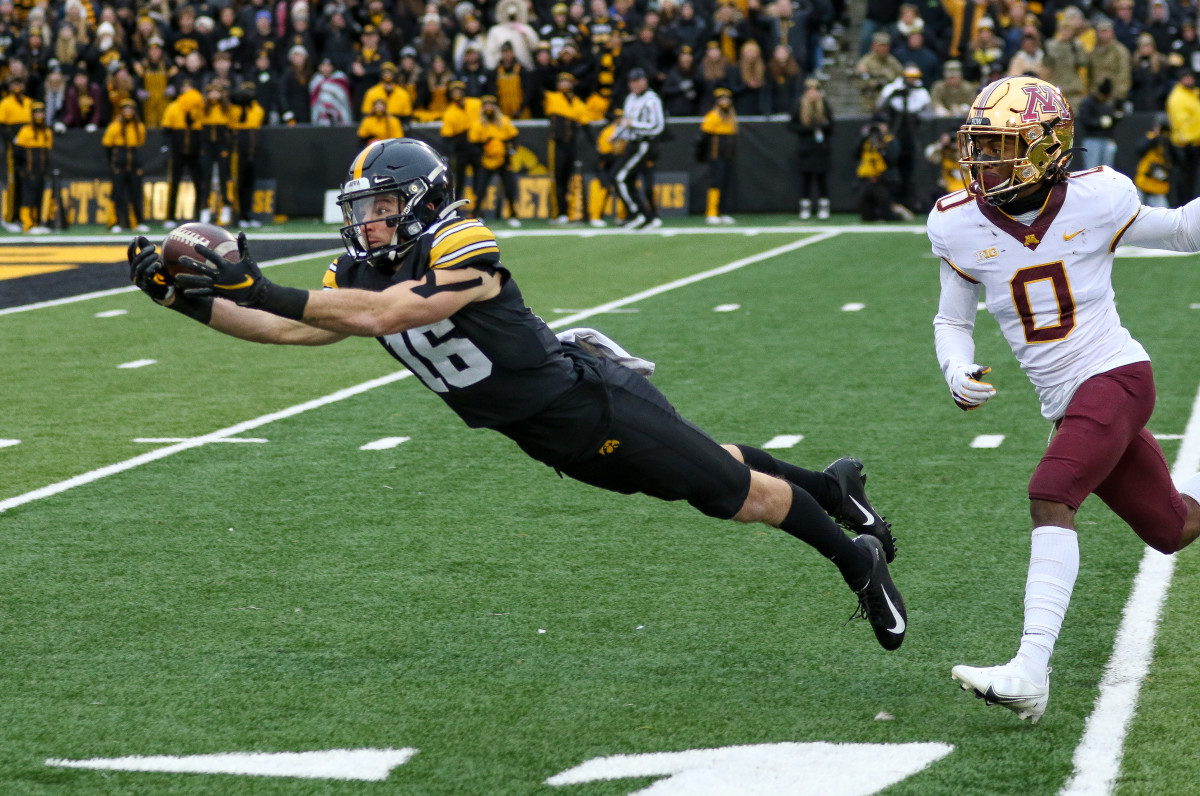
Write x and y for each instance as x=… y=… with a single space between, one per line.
x=1051 y=512
x=768 y=500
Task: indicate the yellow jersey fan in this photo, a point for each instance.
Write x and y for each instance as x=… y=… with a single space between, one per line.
x=1018 y=134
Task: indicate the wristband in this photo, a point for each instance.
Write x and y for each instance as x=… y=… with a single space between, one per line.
x=286 y=302
x=198 y=309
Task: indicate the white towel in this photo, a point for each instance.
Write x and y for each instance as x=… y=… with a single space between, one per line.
x=601 y=345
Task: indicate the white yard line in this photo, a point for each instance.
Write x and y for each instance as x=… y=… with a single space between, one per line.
x=1098 y=757
x=116 y=291
x=349 y=392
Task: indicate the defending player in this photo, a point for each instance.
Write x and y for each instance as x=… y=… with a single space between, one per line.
x=429 y=285
x=1039 y=242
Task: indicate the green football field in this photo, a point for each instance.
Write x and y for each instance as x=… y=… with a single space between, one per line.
x=215 y=556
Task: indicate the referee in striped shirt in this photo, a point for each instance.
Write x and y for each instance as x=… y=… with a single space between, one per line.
x=641 y=125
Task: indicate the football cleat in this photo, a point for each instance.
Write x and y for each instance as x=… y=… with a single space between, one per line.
x=1009 y=686
x=879 y=601
x=855 y=513
x=637 y=222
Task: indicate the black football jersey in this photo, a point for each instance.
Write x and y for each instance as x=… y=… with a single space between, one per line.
x=494 y=362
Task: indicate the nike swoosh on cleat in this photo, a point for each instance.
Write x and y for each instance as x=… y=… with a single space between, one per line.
x=899 y=628
x=870 y=518
x=992 y=698
x=247 y=282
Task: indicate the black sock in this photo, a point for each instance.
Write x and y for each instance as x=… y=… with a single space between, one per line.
x=819 y=484
x=809 y=523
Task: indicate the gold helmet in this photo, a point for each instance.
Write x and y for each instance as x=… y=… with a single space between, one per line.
x=1036 y=130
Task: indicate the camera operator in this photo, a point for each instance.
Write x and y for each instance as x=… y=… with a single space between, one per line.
x=1153 y=177
x=903 y=102
x=878 y=151
x=943 y=153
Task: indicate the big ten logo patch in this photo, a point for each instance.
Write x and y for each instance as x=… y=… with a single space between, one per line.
x=90 y=201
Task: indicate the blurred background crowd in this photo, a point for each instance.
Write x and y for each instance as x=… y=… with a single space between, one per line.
x=314 y=62
x=908 y=69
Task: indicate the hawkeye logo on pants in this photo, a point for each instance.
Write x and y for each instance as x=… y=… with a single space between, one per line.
x=609 y=446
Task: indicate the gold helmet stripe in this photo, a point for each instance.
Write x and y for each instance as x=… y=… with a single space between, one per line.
x=357 y=167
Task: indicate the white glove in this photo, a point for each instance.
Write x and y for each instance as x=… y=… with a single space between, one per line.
x=966 y=388
x=60 y=128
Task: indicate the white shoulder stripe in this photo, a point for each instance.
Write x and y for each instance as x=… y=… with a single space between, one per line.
x=465 y=250
x=442 y=236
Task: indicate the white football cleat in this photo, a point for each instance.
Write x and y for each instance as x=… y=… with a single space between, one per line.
x=1009 y=686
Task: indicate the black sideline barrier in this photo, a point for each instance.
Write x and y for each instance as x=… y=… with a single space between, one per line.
x=297 y=165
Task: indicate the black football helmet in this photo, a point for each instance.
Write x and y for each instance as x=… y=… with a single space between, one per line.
x=415 y=175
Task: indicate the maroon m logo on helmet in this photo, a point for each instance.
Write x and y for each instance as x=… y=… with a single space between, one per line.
x=1043 y=101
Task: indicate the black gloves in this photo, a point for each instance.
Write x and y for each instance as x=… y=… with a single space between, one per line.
x=147 y=272
x=240 y=281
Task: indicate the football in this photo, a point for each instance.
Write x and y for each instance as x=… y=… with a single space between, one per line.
x=182 y=242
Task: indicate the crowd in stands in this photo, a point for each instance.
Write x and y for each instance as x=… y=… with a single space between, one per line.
x=1136 y=49
x=315 y=62
x=1110 y=58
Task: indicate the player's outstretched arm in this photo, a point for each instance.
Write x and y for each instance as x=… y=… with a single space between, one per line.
x=242 y=282
x=342 y=313
x=1174 y=229
x=406 y=305
x=193 y=297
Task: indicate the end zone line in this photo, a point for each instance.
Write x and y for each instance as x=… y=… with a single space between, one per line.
x=116 y=291
x=196 y=442
x=1097 y=760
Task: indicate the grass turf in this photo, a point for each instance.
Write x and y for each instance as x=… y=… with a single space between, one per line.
x=304 y=594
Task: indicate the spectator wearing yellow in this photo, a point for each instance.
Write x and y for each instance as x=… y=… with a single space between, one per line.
x=1183 y=115
x=434 y=91
x=718 y=148
x=181 y=120
x=513 y=81
x=246 y=120
x=123 y=141
x=379 y=124
x=32 y=146
x=16 y=110
x=609 y=148
x=216 y=150
x=1153 y=175
x=461 y=112
x=396 y=98
x=494 y=133
x=568 y=115
x=155 y=73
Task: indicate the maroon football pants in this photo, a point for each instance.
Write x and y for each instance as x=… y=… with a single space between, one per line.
x=1102 y=447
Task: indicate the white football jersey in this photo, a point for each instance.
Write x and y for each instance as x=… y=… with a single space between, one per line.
x=1048 y=284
